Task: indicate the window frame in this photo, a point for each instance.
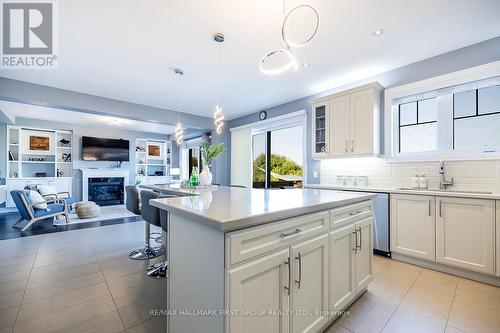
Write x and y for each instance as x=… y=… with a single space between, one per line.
x=417 y=101
x=443 y=84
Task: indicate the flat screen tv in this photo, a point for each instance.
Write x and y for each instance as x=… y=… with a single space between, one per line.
x=99 y=149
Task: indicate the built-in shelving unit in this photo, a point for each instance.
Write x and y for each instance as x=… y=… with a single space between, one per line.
x=152 y=159
x=25 y=160
x=38 y=156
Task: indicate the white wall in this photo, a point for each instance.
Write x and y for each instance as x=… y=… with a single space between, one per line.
x=469 y=175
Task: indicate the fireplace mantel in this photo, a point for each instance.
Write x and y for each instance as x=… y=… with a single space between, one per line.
x=102 y=172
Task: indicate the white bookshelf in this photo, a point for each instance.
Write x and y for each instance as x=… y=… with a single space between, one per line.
x=56 y=162
x=22 y=170
x=152 y=159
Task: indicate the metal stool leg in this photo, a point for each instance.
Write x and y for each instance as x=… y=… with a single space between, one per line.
x=158 y=270
x=148 y=252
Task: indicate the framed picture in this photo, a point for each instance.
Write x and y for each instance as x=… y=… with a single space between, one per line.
x=39 y=143
x=154 y=150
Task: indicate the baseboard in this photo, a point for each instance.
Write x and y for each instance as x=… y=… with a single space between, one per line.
x=480 y=277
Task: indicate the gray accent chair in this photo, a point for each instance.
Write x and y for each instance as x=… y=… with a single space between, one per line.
x=133 y=204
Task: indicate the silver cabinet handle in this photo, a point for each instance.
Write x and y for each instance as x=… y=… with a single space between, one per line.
x=355 y=212
x=360 y=239
x=345 y=146
x=352 y=146
x=287 y=262
x=440 y=208
x=429 y=208
x=291 y=233
x=355 y=232
x=299 y=258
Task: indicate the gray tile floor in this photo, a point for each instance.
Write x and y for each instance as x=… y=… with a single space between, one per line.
x=83 y=281
x=79 y=281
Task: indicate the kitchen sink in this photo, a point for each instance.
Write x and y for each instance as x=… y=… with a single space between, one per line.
x=436 y=190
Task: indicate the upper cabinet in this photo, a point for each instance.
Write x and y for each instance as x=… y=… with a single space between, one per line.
x=321 y=116
x=348 y=123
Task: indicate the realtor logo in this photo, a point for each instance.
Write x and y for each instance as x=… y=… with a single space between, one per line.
x=28 y=32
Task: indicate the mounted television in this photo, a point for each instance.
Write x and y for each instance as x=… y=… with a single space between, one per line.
x=99 y=149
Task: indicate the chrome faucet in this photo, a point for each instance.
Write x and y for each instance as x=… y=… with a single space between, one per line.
x=443 y=183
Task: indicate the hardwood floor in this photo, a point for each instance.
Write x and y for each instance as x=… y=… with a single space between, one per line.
x=46 y=227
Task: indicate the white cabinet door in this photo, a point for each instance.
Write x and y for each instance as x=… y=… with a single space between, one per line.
x=321 y=129
x=342 y=268
x=339 y=125
x=465 y=233
x=498 y=238
x=413 y=224
x=261 y=284
x=310 y=285
x=364 y=254
x=362 y=103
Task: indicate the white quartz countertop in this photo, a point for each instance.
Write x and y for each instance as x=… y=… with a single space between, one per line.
x=445 y=193
x=232 y=208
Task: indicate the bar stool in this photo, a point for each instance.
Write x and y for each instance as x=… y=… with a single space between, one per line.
x=146 y=211
x=159 y=269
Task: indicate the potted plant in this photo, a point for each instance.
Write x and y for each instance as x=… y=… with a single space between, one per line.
x=209 y=152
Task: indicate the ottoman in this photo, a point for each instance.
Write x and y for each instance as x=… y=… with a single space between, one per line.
x=88 y=210
x=78 y=204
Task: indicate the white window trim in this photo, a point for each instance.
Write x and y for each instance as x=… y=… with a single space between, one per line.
x=444 y=137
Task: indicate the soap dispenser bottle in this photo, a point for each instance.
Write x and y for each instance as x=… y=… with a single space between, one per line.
x=422 y=182
x=415 y=181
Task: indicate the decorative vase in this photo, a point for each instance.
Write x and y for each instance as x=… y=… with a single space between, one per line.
x=205 y=176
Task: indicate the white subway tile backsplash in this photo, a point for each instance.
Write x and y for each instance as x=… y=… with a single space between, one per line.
x=468 y=175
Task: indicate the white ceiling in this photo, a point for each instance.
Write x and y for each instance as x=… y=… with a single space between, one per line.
x=14 y=110
x=125 y=50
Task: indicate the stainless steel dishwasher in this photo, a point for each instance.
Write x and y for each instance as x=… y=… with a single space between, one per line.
x=381 y=243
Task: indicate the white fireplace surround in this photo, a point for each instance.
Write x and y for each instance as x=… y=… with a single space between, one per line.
x=101 y=173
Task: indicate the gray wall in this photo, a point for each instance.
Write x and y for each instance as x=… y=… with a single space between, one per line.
x=78 y=132
x=474 y=55
x=30 y=93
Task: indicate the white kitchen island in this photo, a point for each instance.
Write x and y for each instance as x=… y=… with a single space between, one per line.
x=252 y=260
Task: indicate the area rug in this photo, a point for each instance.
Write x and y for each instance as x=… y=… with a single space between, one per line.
x=107 y=213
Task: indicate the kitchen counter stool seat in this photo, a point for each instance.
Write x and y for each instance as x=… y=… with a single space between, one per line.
x=133 y=205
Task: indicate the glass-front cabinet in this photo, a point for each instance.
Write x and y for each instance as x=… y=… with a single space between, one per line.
x=320 y=133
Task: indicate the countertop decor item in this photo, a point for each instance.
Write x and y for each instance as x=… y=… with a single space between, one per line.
x=209 y=152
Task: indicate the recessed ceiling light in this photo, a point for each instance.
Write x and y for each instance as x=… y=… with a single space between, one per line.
x=114 y=122
x=306 y=64
x=178 y=71
x=378 y=32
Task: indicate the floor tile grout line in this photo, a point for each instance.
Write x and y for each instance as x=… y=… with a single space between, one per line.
x=402 y=298
x=107 y=286
x=451 y=305
x=65 y=292
x=25 y=288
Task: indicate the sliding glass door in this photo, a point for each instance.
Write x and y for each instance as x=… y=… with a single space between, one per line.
x=278 y=158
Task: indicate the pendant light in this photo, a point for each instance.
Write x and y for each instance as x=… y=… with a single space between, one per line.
x=179 y=130
x=218 y=118
x=287 y=55
x=218 y=115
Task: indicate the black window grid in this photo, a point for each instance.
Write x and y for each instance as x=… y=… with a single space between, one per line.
x=412 y=124
x=475 y=115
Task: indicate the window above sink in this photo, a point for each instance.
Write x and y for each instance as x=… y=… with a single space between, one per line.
x=451 y=117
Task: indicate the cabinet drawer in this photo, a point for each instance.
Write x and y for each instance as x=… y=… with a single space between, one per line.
x=343 y=216
x=245 y=244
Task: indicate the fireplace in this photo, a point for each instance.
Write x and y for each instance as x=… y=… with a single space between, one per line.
x=106 y=191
